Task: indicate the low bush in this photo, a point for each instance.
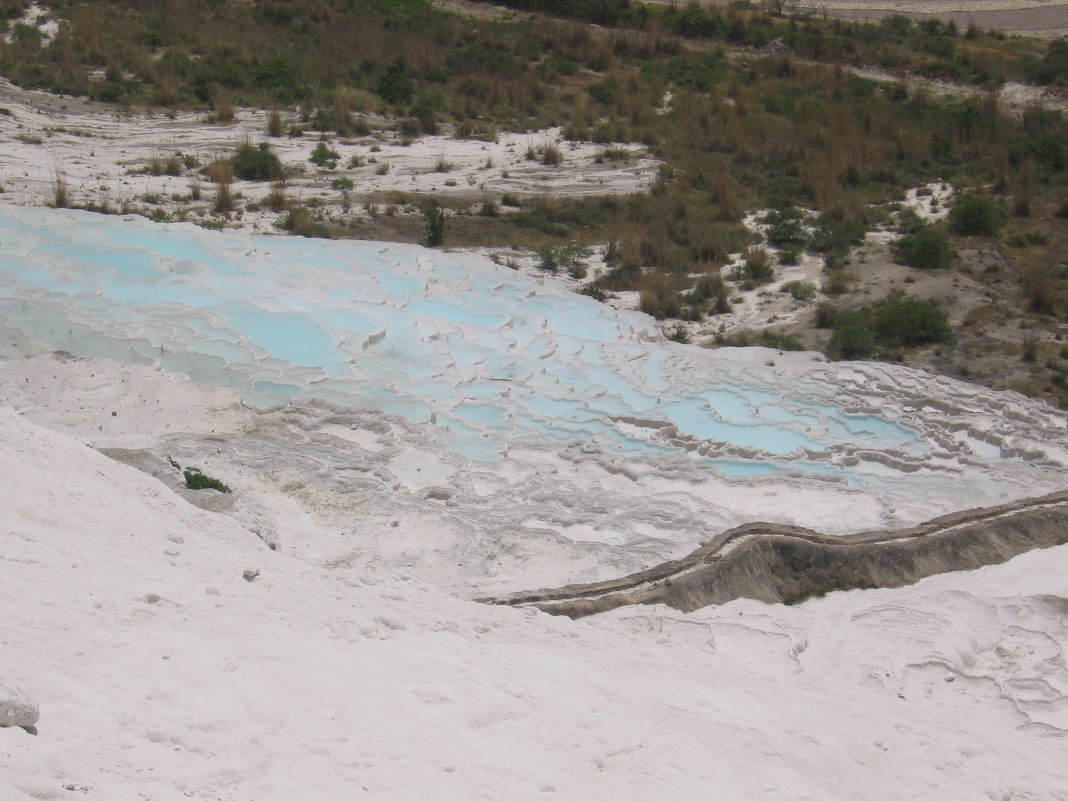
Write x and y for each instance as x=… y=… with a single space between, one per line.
x=825 y=314
x=395 y=86
x=195 y=480
x=323 y=157
x=926 y=249
x=899 y=320
x=787 y=227
x=832 y=235
x=434 y=234
x=800 y=290
x=300 y=221
x=554 y=257
x=974 y=215
x=256 y=163
x=779 y=340
x=756 y=266
x=852 y=337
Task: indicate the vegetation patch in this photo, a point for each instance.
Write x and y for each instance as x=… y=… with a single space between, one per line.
x=256 y=163
x=195 y=480
x=897 y=321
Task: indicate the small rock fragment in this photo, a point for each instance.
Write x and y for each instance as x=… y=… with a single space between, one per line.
x=17 y=708
x=250 y=575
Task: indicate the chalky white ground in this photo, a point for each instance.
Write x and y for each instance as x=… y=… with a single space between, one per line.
x=360 y=669
x=355 y=665
x=162 y=674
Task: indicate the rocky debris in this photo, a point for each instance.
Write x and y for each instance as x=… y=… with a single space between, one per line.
x=17 y=708
x=250 y=575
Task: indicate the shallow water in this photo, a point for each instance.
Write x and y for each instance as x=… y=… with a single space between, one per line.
x=487 y=356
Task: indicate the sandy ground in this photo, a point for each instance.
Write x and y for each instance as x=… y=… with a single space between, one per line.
x=1046 y=21
x=1024 y=17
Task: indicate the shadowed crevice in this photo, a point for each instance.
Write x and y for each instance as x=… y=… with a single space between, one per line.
x=786 y=564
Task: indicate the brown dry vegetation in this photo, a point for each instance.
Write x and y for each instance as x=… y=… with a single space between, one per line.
x=744 y=128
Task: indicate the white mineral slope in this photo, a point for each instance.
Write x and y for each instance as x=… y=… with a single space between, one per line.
x=161 y=674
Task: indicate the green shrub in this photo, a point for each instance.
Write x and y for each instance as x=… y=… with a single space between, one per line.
x=435 y=224
x=256 y=163
x=554 y=257
x=779 y=340
x=790 y=254
x=836 y=235
x=424 y=109
x=852 y=337
x=973 y=215
x=603 y=92
x=323 y=157
x=787 y=227
x=756 y=266
x=395 y=87
x=195 y=480
x=1028 y=238
x=800 y=290
x=927 y=249
x=1046 y=152
x=595 y=292
x=680 y=335
x=909 y=222
x=279 y=77
x=902 y=321
x=299 y=220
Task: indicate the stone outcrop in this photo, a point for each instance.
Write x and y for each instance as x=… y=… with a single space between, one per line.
x=786 y=564
x=17 y=708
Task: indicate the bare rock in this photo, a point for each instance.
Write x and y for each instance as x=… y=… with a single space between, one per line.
x=17 y=708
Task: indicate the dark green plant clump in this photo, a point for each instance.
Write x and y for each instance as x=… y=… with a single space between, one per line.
x=900 y=320
x=324 y=157
x=897 y=321
x=256 y=163
x=195 y=480
x=975 y=215
x=434 y=234
x=926 y=249
x=852 y=338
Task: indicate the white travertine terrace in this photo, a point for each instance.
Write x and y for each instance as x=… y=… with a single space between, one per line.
x=355 y=664
x=524 y=407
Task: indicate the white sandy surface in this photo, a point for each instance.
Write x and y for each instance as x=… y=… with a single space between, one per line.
x=162 y=674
